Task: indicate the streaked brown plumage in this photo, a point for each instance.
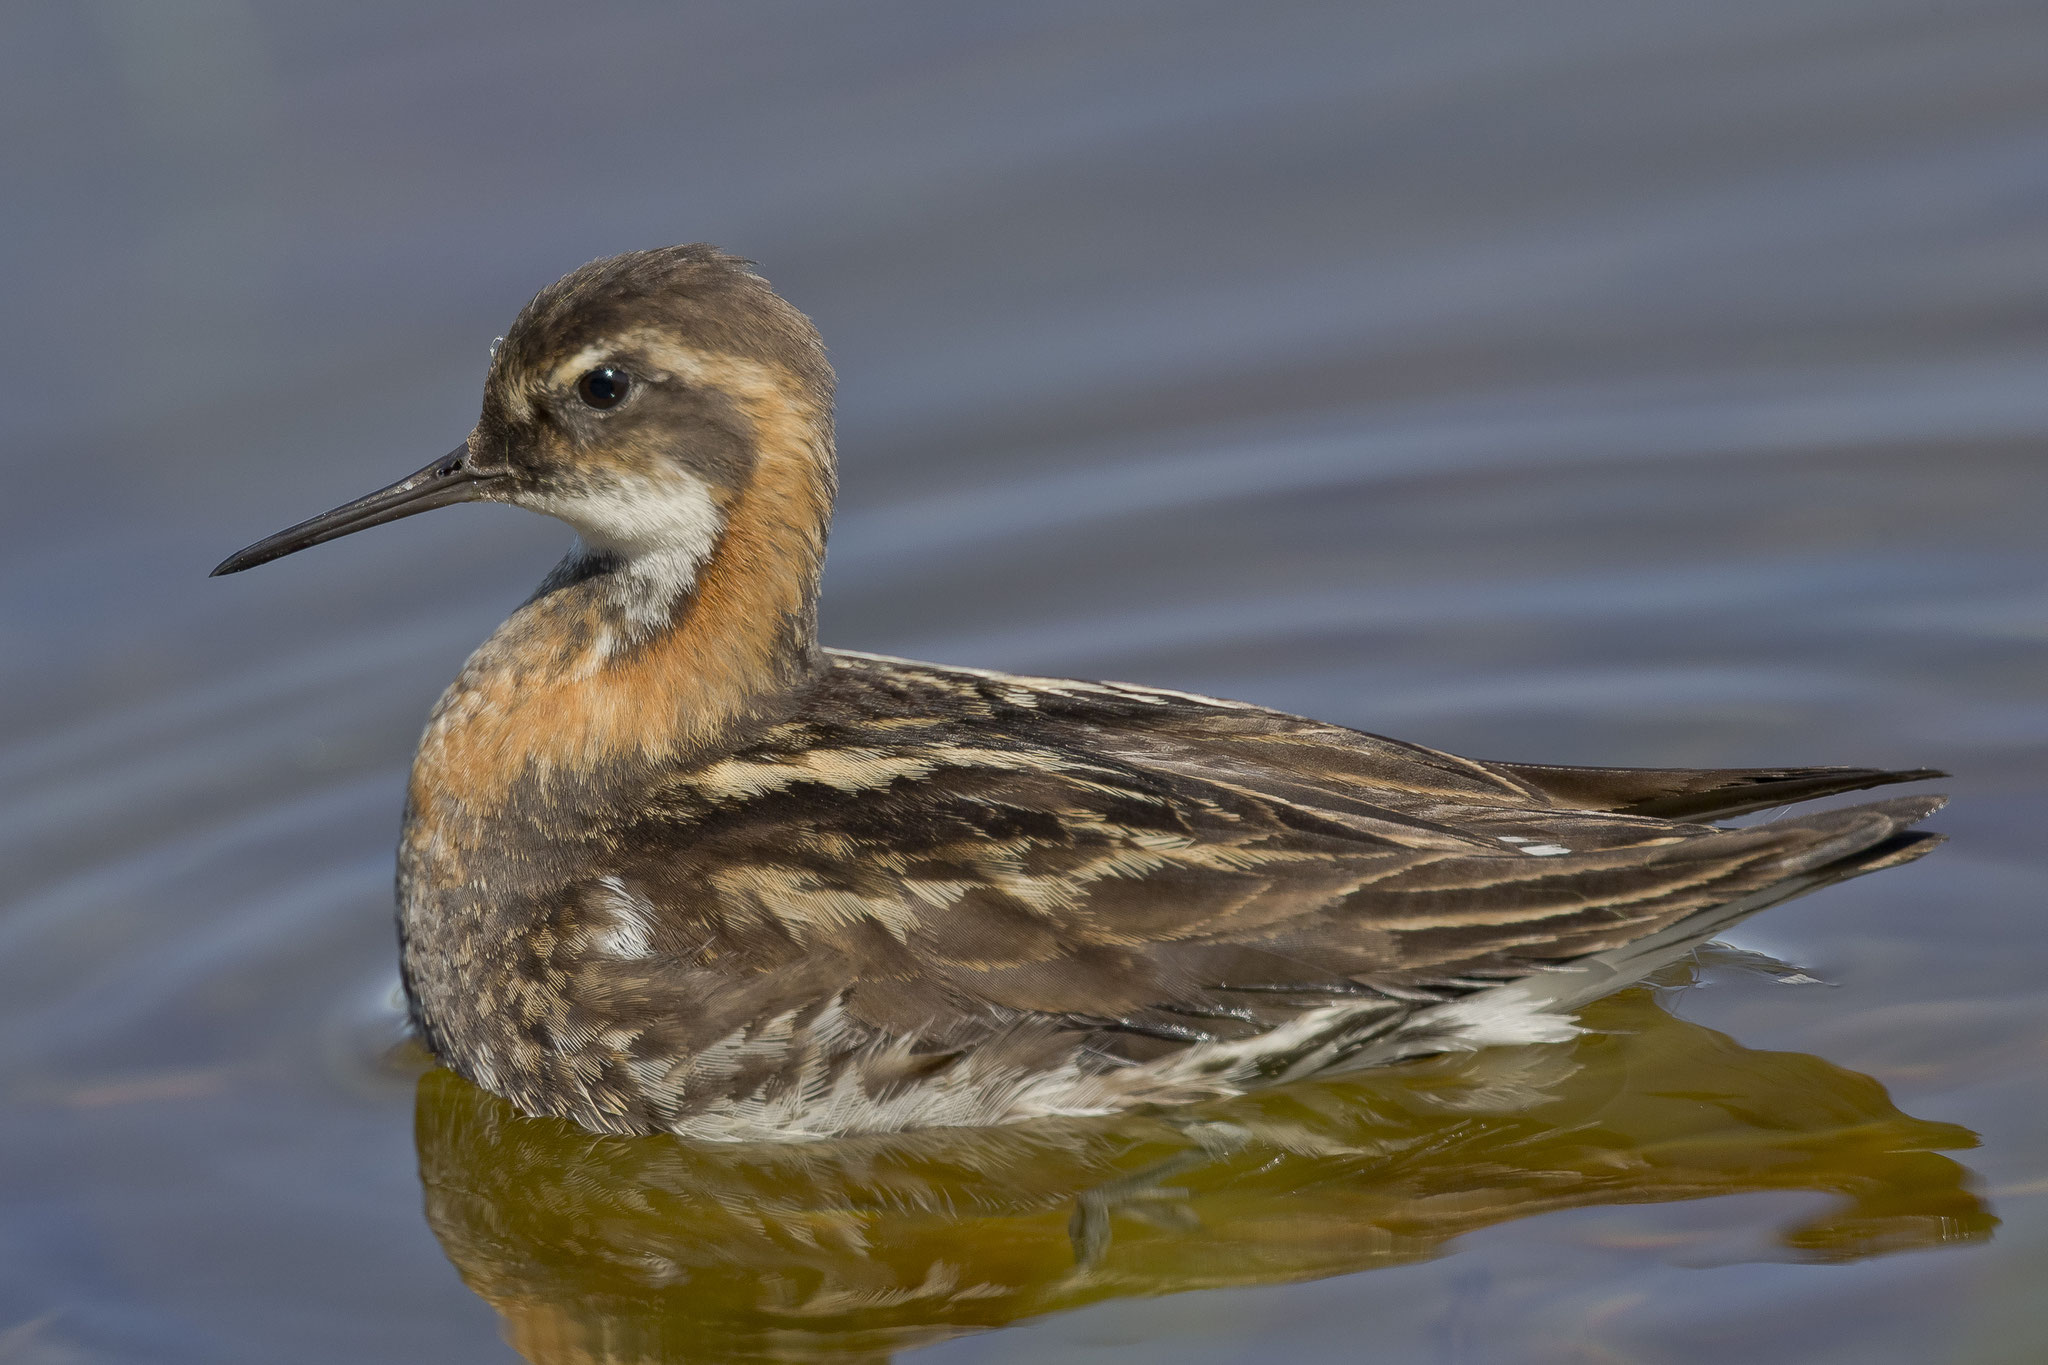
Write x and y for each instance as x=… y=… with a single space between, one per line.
x=669 y=865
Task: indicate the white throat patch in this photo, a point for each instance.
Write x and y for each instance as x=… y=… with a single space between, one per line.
x=660 y=531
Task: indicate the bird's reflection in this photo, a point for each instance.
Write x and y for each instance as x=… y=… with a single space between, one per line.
x=652 y=1249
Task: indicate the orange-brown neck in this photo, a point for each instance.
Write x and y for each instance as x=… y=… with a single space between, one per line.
x=591 y=688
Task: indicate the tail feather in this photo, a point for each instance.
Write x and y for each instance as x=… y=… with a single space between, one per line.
x=1699 y=793
x=1851 y=842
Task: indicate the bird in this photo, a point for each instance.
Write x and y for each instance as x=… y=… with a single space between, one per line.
x=669 y=865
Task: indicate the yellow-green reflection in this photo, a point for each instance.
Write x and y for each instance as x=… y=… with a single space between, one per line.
x=653 y=1249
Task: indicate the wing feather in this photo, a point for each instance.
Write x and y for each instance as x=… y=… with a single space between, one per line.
x=974 y=849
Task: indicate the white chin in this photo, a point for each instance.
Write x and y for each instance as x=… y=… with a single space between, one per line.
x=674 y=518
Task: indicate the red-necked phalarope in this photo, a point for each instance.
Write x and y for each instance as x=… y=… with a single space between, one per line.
x=669 y=865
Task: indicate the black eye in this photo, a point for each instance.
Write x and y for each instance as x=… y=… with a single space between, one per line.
x=603 y=388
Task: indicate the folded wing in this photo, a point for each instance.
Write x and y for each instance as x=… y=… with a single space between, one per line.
x=1159 y=871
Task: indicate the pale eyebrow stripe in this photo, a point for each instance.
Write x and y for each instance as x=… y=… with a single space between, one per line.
x=584 y=359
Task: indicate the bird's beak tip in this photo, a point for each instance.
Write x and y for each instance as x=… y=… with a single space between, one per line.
x=445 y=481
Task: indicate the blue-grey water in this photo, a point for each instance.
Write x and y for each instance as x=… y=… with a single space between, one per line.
x=1597 y=381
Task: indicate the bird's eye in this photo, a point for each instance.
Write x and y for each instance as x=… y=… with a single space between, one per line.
x=604 y=387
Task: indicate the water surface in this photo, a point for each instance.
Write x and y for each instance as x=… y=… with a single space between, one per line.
x=1589 y=381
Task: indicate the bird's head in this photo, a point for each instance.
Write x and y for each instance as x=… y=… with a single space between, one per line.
x=638 y=399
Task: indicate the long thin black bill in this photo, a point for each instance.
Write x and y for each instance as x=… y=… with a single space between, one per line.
x=446 y=481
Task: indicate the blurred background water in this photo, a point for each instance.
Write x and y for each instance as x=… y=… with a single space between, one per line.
x=1597 y=381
